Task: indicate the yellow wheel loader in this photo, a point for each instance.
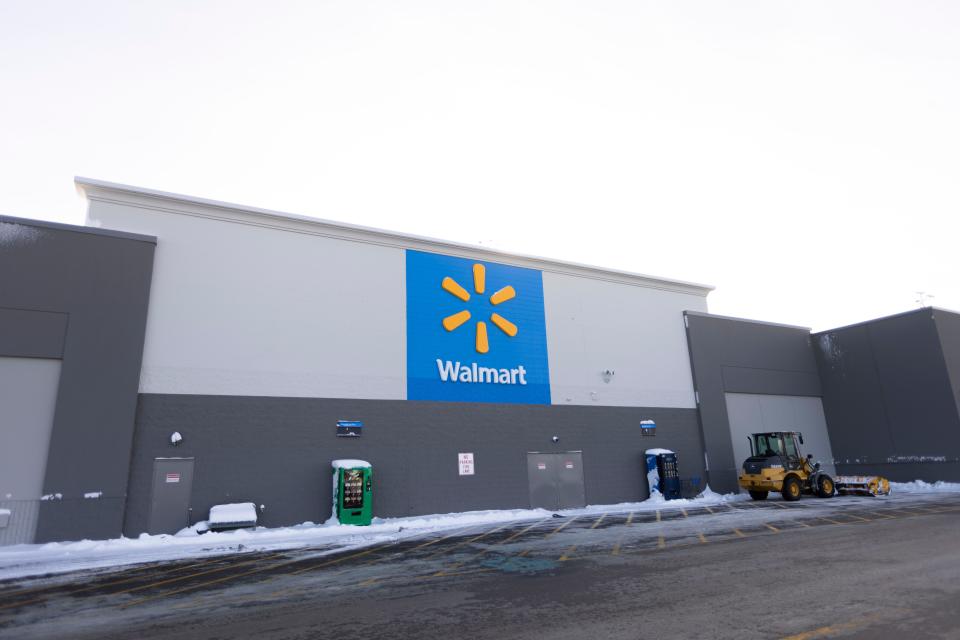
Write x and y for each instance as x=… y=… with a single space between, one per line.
x=775 y=464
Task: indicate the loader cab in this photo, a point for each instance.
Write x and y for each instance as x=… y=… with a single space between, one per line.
x=778 y=447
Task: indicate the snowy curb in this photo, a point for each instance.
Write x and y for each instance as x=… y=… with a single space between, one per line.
x=24 y=560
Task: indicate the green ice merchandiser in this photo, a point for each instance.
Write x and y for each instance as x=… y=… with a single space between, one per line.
x=353 y=491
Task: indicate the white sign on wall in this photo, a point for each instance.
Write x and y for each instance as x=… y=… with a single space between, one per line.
x=466 y=463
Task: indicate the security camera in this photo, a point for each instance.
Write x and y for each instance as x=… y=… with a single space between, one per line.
x=555 y=438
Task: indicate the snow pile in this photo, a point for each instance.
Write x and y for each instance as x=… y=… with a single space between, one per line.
x=350 y=464
x=237 y=514
x=919 y=486
x=56 y=557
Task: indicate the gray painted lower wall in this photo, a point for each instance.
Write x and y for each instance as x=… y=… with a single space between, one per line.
x=277 y=452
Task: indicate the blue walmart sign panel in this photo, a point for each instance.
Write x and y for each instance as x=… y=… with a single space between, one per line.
x=475 y=331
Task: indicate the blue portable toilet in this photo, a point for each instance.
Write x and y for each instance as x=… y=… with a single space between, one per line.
x=663 y=478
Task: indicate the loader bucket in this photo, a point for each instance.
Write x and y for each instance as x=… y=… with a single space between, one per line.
x=862 y=485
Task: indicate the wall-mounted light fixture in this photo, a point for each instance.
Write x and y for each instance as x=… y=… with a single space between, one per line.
x=176 y=438
x=607 y=375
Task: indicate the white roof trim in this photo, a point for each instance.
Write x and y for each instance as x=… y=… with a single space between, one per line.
x=110 y=192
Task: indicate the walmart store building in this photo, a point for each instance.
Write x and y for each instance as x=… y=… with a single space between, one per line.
x=178 y=353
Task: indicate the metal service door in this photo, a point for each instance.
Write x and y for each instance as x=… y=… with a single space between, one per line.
x=570 y=480
x=542 y=473
x=170 y=502
x=556 y=480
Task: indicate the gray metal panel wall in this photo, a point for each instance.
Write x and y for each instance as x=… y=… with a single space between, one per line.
x=32 y=334
x=888 y=396
x=277 y=452
x=80 y=294
x=743 y=356
x=948 y=328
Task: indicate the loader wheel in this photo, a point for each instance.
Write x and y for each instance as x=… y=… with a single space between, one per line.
x=825 y=487
x=758 y=495
x=791 y=489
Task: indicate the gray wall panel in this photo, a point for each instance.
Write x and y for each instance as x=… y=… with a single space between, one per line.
x=743 y=356
x=905 y=471
x=100 y=280
x=22 y=523
x=28 y=395
x=888 y=396
x=80 y=518
x=948 y=328
x=32 y=334
x=770 y=381
x=758 y=413
x=277 y=452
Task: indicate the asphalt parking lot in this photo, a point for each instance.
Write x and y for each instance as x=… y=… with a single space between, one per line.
x=844 y=567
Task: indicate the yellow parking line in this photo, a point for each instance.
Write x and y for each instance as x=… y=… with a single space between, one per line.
x=771 y=527
x=456 y=546
x=291 y=590
x=830 y=520
x=200 y=573
x=599 y=520
x=703 y=538
x=561 y=527
x=616 y=547
x=457 y=565
x=140 y=574
x=569 y=552
x=661 y=543
x=859 y=518
x=658 y=515
x=925 y=509
x=455 y=533
x=458 y=532
x=522 y=531
x=684 y=512
x=778 y=504
x=709 y=509
x=246 y=573
x=834 y=629
x=740 y=534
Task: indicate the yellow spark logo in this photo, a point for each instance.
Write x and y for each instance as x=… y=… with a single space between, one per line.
x=479 y=285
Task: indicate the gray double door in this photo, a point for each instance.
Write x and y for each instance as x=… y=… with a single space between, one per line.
x=170 y=501
x=556 y=480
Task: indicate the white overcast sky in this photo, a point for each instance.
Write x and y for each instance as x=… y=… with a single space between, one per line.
x=802 y=157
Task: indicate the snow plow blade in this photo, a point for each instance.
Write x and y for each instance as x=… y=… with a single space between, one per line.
x=862 y=485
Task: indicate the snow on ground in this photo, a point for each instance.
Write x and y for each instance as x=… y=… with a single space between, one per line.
x=17 y=561
x=57 y=557
x=919 y=486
